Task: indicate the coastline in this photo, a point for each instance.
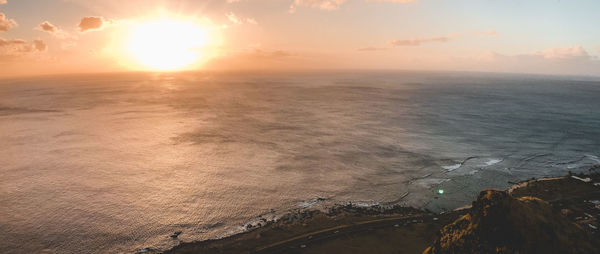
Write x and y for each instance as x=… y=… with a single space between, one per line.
x=356 y=229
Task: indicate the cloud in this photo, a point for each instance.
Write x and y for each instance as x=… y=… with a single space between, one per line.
x=251 y=21
x=574 y=60
x=5 y=43
x=444 y=38
x=371 y=49
x=259 y=53
x=570 y=53
x=5 y=23
x=328 y=5
x=40 y=45
x=419 y=41
x=14 y=48
x=46 y=26
x=488 y=32
x=91 y=23
x=234 y=19
x=257 y=58
x=238 y=20
x=393 y=1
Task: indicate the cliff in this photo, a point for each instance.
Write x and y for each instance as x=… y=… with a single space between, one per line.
x=501 y=223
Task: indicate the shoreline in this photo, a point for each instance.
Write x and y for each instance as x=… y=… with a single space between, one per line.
x=288 y=232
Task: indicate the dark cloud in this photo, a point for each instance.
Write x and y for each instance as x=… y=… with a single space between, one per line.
x=91 y=23
x=6 y=23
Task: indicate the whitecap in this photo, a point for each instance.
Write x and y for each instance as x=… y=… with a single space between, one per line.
x=492 y=162
x=593 y=157
x=473 y=172
x=312 y=202
x=452 y=167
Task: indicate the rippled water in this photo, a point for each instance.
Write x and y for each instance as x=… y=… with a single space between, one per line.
x=117 y=163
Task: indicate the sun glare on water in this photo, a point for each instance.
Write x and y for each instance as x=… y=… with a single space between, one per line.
x=167 y=45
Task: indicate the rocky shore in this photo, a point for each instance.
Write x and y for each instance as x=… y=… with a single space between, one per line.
x=552 y=215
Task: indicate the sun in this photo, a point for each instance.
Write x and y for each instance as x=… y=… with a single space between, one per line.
x=167 y=45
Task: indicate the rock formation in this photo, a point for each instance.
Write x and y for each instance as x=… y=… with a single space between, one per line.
x=500 y=223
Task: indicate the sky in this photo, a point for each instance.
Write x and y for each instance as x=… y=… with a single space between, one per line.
x=87 y=36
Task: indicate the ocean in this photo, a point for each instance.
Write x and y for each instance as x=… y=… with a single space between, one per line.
x=111 y=163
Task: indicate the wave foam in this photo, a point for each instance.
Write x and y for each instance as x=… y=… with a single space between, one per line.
x=452 y=167
x=492 y=162
x=593 y=157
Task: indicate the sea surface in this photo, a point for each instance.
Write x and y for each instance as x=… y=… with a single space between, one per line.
x=113 y=163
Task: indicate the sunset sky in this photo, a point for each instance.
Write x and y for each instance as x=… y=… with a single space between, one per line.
x=81 y=36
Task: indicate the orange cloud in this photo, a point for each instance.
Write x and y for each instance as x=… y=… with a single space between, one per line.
x=393 y=1
x=4 y=42
x=255 y=59
x=489 y=32
x=238 y=20
x=328 y=5
x=371 y=49
x=46 y=26
x=234 y=18
x=14 y=48
x=40 y=45
x=445 y=38
x=5 y=23
x=419 y=41
x=91 y=23
x=251 y=21
x=259 y=53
